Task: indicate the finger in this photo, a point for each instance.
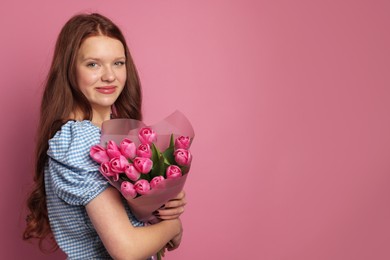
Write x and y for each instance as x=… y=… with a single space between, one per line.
x=170 y=217
x=172 y=247
x=175 y=203
x=162 y=251
x=169 y=214
x=181 y=195
x=170 y=211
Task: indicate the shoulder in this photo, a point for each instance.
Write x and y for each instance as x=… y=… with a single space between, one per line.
x=71 y=174
x=75 y=138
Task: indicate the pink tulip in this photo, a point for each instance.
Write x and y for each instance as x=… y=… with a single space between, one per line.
x=144 y=151
x=147 y=135
x=131 y=172
x=173 y=172
x=128 y=148
x=142 y=187
x=98 y=154
x=113 y=150
x=156 y=181
x=128 y=190
x=143 y=165
x=182 y=142
x=105 y=169
x=118 y=164
x=183 y=157
x=107 y=172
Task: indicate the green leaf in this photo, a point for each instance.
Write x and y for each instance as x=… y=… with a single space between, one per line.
x=155 y=153
x=156 y=158
x=145 y=177
x=168 y=155
x=123 y=177
x=185 y=169
x=163 y=166
x=172 y=142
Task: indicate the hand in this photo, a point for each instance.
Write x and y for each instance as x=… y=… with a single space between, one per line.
x=174 y=243
x=173 y=208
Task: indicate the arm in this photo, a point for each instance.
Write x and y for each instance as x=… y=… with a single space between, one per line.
x=121 y=239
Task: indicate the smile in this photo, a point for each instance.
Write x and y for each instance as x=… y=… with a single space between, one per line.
x=106 y=89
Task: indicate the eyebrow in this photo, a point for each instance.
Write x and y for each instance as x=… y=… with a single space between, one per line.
x=97 y=59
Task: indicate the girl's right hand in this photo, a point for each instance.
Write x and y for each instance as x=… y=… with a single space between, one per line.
x=175 y=242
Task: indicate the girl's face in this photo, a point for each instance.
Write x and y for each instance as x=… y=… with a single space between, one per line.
x=101 y=71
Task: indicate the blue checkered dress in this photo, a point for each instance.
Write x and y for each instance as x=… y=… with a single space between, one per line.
x=72 y=180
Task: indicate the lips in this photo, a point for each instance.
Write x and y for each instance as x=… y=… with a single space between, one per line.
x=106 y=89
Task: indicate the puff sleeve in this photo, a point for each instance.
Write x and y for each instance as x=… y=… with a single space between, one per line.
x=73 y=175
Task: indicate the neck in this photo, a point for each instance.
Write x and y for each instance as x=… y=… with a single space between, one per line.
x=98 y=121
x=99 y=116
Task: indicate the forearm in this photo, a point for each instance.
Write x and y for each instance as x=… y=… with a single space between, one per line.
x=121 y=239
x=145 y=241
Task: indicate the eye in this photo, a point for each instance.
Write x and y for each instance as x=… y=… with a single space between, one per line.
x=119 y=63
x=92 y=65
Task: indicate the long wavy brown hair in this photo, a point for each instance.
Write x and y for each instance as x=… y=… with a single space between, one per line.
x=62 y=97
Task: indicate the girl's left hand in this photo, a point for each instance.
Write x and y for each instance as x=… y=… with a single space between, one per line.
x=173 y=208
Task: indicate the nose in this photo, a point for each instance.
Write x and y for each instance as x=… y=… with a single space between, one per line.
x=108 y=74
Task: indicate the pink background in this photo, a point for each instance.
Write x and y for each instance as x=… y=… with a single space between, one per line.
x=290 y=101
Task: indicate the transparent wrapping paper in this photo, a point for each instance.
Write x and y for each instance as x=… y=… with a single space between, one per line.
x=144 y=205
x=175 y=124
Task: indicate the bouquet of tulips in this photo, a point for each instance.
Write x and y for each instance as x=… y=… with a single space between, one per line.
x=147 y=164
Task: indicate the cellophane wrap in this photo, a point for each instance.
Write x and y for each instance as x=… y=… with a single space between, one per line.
x=117 y=129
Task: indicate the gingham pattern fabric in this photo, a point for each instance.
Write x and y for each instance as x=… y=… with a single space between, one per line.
x=72 y=180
